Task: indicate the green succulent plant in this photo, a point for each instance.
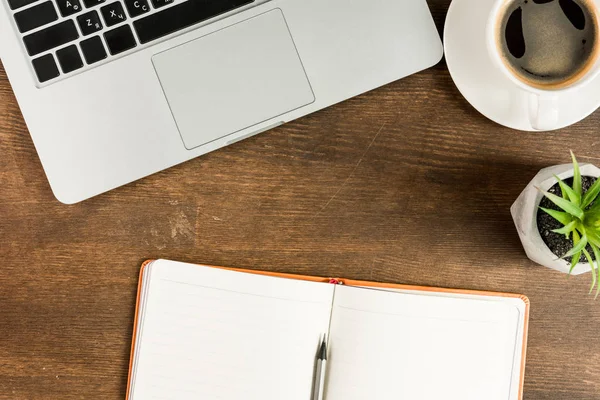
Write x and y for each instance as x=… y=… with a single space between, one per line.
x=580 y=217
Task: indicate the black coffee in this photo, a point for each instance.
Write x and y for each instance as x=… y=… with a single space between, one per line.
x=548 y=43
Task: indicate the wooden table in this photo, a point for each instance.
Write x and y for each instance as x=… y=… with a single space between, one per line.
x=405 y=184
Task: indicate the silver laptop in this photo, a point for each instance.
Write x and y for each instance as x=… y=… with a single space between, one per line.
x=115 y=90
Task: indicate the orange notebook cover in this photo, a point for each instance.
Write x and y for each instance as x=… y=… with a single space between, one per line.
x=358 y=283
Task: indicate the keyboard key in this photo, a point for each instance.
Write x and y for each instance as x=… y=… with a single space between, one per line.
x=69 y=59
x=137 y=7
x=36 y=16
x=119 y=40
x=68 y=7
x=113 y=14
x=89 y=23
x=51 y=37
x=14 y=4
x=92 y=3
x=181 y=16
x=161 y=3
x=45 y=68
x=93 y=50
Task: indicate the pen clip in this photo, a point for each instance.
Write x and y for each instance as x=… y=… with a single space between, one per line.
x=336 y=281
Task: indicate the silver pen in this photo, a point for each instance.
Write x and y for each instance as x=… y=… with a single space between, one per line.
x=319 y=386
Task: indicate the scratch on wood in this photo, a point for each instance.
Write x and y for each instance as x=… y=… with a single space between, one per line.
x=210 y=216
x=180 y=225
x=351 y=172
x=588 y=157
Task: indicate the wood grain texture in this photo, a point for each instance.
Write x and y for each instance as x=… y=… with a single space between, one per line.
x=405 y=184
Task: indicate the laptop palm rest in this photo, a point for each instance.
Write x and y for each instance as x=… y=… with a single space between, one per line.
x=233 y=79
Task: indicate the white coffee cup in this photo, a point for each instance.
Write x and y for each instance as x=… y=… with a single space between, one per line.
x=543 y=103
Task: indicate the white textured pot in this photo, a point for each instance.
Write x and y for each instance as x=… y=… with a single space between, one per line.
x=524 y=213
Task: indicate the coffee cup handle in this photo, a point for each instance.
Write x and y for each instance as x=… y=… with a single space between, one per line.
x=543 y=111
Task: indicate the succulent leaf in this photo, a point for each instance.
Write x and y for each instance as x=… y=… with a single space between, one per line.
x=572 y=196
x=576 y=176
x=575 y=259
x=589 y=260
x=565 y=205
x=591 y=195
x=593 y=237
x=574 y=262
x=579 y=245
x=561 y=216
x=596 y=251
x=567 y=229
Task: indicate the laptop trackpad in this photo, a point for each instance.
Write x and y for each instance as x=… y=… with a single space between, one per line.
x=233 y=79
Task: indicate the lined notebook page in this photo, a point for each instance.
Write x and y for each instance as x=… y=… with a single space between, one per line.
x=386 y=345
x=214 y=334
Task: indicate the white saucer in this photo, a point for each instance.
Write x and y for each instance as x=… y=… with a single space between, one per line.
x=484 y=86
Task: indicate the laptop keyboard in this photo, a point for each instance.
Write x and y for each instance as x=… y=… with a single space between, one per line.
x=63 y=36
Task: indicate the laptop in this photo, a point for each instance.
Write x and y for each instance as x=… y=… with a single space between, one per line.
x=115 y=90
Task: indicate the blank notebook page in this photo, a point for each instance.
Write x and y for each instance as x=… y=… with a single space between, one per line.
x=386 y=345
x=208 y=333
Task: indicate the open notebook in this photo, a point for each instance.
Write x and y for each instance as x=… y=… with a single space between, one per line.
x=213 y=333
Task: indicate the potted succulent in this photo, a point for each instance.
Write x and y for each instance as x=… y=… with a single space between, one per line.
x=558 y=219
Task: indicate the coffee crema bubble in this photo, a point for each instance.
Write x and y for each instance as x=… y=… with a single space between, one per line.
x=548 y=44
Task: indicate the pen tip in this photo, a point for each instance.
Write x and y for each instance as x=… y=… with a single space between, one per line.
x=323 y=350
